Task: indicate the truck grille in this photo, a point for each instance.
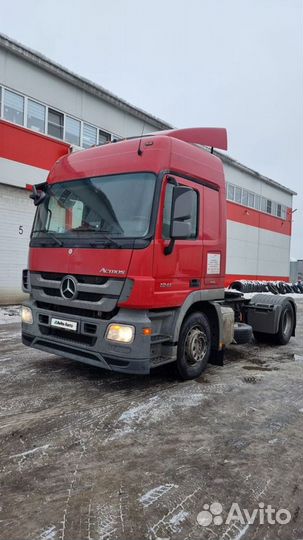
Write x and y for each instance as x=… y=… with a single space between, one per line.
x=76 y=311
x=66 y=336
x=94 y=294
x=92 y=297
x=94 y=280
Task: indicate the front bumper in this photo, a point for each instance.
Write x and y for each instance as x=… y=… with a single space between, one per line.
x=88 y=344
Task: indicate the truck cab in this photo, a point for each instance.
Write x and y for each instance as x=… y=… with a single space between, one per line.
x=127 y=255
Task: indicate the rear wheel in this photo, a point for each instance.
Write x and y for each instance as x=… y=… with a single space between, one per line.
x=194 y=346
x=286 y=325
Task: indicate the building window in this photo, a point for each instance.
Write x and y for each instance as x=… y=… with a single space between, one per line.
x=13 y=107
x=103 y=137
x=55 y=123
x=257 y=202
x=238 y=194
x=268 y=206
x=230 y=192
x=72 y=130
x=251 y=199
x=0 y=100
x=89 y=136
x=245 y=197
x=35 y=116
x=263 y=204
x=283 y=212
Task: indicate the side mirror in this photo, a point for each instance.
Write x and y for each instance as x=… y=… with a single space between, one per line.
x=38 y=195
x=183 y=214
x=183 y=204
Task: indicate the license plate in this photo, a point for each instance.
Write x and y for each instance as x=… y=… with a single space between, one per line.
x=65 y=325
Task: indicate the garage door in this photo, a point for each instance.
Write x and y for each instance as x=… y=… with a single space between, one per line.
x=16 y=218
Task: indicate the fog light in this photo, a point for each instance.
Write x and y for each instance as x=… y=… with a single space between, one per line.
x=120 y=332
x=26 y=315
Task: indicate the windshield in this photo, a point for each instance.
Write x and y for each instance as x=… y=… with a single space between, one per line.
x=113 y=206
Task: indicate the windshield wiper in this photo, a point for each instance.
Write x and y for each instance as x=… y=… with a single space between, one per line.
x=108 y=238
x=57 y=240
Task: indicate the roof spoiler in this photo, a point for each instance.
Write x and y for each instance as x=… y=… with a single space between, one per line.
x=213 y=137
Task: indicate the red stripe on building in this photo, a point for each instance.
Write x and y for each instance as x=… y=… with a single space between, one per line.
x=230 y=278
x=25 y=146
x=254 y=218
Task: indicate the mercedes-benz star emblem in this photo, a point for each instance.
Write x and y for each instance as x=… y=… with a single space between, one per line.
x=68 y=288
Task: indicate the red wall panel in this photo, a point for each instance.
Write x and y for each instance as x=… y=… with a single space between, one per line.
x=254 y=218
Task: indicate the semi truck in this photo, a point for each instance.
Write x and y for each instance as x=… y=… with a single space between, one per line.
x=126 y=267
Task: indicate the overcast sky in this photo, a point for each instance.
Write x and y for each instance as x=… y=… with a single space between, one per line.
x=231 y=63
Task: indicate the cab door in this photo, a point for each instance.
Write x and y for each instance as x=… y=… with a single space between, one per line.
x=179 y=273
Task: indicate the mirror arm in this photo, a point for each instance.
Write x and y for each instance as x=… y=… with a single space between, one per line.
x=169 y=249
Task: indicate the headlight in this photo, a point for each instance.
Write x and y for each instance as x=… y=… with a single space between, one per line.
x=120 y=332
x=26 y=315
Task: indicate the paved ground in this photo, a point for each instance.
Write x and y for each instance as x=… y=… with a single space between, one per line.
x=90 y=455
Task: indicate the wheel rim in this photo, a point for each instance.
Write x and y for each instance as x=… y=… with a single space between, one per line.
x=195 y=346
x=286 y=323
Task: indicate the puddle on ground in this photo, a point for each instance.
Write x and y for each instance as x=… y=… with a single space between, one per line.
x=298 y=357
x=258 y=361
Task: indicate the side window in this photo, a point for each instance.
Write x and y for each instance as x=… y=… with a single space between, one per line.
x=195 y=216
x=211 y=211
x=167 y=213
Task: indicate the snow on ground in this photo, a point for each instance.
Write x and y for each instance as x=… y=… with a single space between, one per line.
x=296 y=296
x=9 y=314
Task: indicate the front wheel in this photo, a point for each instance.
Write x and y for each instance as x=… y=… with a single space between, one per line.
x=194 y=346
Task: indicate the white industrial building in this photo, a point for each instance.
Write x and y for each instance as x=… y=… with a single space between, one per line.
x=44 y=108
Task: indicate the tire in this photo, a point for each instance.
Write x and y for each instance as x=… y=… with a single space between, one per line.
x=242 y=333
x=272 y=288
x=286 y=325
x=194 y=346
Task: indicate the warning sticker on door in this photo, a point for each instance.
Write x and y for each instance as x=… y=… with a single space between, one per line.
x=213 y=263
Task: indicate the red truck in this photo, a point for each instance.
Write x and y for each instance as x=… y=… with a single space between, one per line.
x=127 y=259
